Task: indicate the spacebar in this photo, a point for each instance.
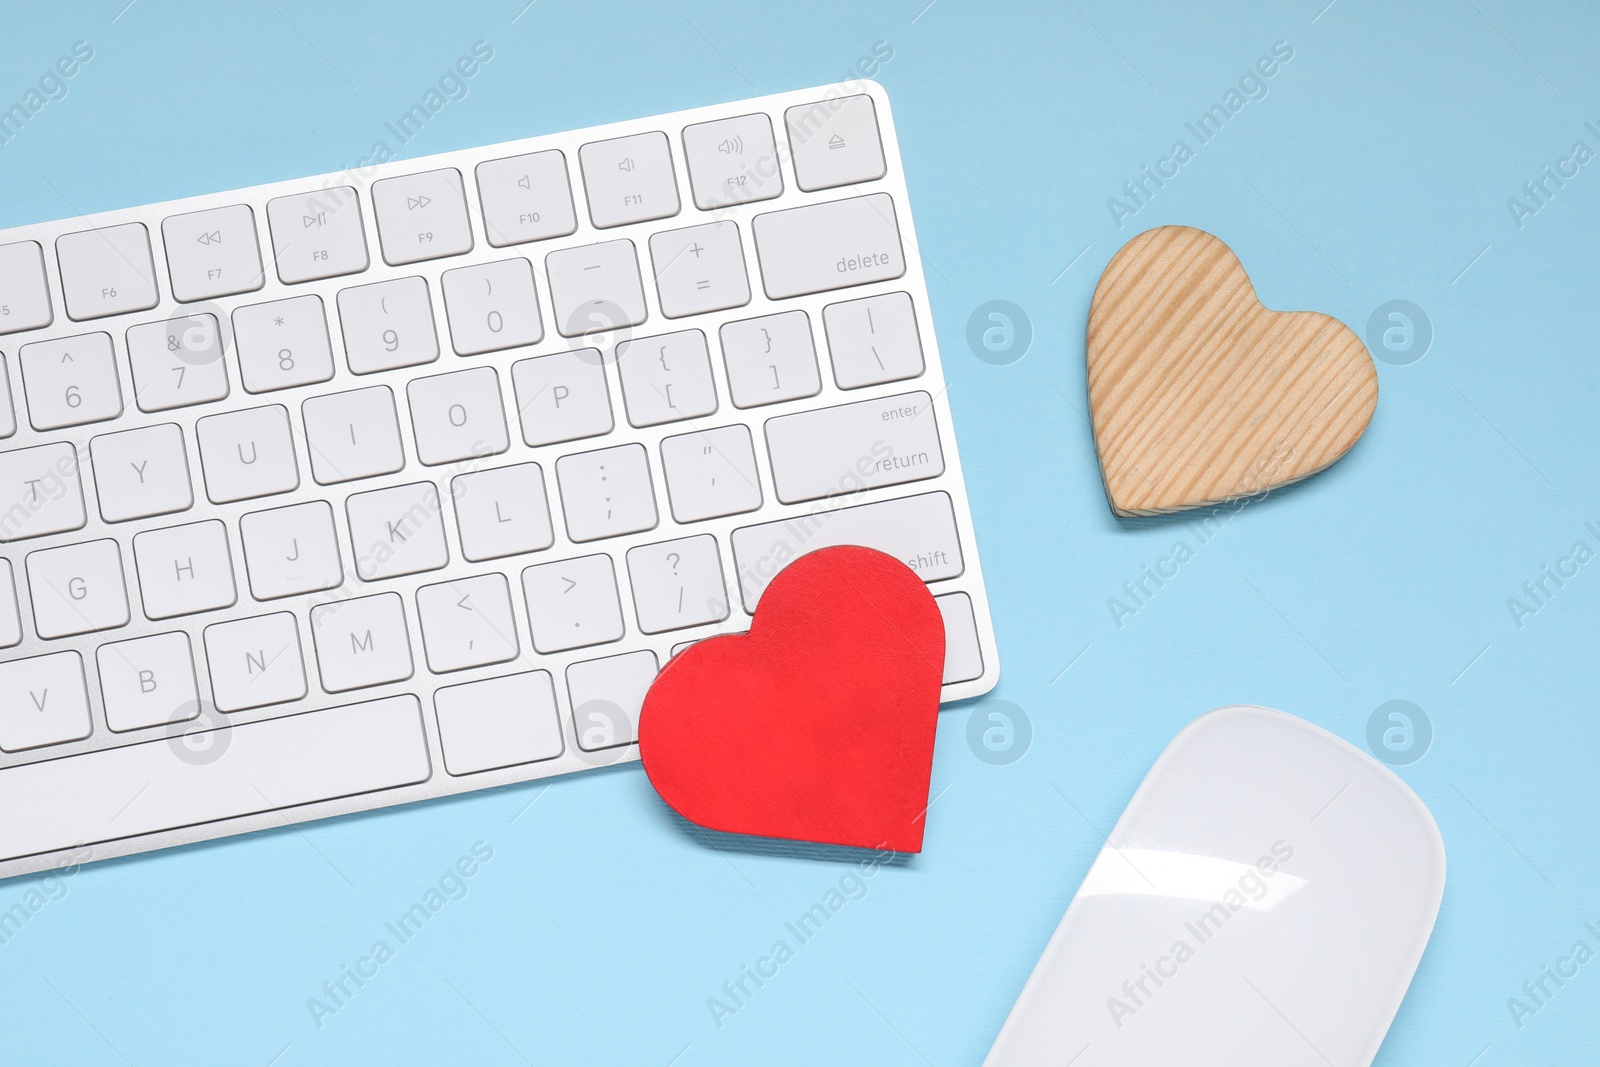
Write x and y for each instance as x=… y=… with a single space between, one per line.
x=165 y=784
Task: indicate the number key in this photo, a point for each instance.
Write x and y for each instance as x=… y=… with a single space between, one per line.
x=492 y=307
x=177 y=363
x=388 y=325
x=71 y=381
x=283 y=344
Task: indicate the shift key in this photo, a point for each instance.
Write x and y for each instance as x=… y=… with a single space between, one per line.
x=844 y=449
x=829 y=246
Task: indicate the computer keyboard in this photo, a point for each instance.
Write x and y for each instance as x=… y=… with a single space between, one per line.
x=332 y=494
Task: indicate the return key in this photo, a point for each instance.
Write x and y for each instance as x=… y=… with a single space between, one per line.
x=845 y=449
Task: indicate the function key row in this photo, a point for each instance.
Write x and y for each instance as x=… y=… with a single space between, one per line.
x=216 y=253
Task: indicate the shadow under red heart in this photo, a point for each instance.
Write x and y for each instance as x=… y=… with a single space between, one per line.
x=818 y=725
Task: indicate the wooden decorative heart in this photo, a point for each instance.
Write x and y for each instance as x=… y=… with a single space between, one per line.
x=1198 y=394
x=818 y=724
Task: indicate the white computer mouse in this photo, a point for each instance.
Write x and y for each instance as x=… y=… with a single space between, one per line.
x=1264 y=900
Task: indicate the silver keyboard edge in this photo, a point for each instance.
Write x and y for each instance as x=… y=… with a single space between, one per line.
x=441 y=783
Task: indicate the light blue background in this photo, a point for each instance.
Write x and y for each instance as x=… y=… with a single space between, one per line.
x=1378 y=167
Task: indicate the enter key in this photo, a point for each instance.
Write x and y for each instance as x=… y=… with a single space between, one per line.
x=845 y=449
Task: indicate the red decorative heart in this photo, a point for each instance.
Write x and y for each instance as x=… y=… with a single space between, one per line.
x=818 y=724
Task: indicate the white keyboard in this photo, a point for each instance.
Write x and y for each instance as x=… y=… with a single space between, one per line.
x=339 y=493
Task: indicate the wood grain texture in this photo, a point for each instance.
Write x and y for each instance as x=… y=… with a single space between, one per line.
x=1199 y=394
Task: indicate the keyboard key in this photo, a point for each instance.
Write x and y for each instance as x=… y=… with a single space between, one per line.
x=732 y=161
x=502 y=512
x=213 y=253
x=835 y=142
x=629 y=179
x=562 y=397
x=699 y=269
x=606 y=493
x=678 y=648
x=573 y=603
x=8 y=414
x=39 y=492
x=422 y=216
x=711 y=473
x=845 y=449
x=10 y=615
x=276 y=763
x=353 y=435
x=283 y=344
x=292 y=550
x=467 y=623
x=873 y=340
x=458 y=416
x=140 y=473
x=595 y=288
x=526 y=198
x=107 y=271
x=920 y=531
x=185 y=569
x=388 y=325
x=256 y=662
x=71 y=382
x=247 y=454
x=829 y=246
x=500 y=722
x=43 y=701
x=317 y=235
x=361 y=642
x=78 y=589
x=770 y=359
x=492 y=307
x=148 y=681
x=606 y=697
x=397 y=531
x=177 y=363
x=24 y=291
x=963 y=660
x=666 y=378
x=677 y=584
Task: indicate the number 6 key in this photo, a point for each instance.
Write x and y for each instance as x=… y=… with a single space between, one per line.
x=71 y=381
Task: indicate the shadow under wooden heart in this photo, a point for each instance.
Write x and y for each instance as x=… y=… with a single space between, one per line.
x=1198 y=394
